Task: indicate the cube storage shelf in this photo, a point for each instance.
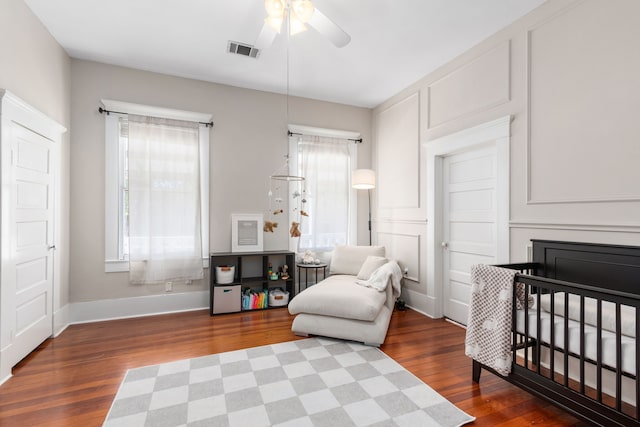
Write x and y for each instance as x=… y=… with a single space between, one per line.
x=250 y=272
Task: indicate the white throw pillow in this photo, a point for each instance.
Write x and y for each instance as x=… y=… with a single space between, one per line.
x=370 y=265
x=349 y=259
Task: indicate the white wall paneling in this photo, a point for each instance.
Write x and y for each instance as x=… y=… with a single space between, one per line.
x=405 y=249
x=405 y=242
x=620 y=227
x=399 y=192
x=480 y=84
x=567 y=74
x=582 y=105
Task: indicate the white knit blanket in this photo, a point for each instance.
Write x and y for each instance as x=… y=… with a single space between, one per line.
x=488 y=337
x=382 y=276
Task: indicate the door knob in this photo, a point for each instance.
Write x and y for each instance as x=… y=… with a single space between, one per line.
x=52 y=247
x=444 y=245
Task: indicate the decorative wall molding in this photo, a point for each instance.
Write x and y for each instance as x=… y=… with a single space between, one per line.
x=530 y=199
x=123 y=308
x=405 y=143
x=527 y=103
x=612 y=199
x=404 y=248
x=600 y=227
x=503 y=52
x=427 y=91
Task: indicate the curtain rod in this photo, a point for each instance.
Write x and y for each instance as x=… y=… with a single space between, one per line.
x=357 y=141
x=102 y=111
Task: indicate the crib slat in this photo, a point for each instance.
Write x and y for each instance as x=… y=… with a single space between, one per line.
x=637 y=378
x=538 y=334
x=599 y=352
x=514 y=322
x=552 y=336
x=618 y=358
x=582 y=345
x=526 y=326
x=566 y=339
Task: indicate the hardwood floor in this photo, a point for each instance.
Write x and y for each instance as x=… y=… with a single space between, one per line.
x=71 y=380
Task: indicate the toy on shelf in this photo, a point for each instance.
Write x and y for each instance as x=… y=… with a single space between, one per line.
x=284 y=275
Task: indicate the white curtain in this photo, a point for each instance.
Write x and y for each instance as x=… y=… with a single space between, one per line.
x=325 y=164
x=164 y=201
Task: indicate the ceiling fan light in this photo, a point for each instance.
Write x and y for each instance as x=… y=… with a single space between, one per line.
x=303 y=9
x=295 y=25
x=274 y=22
x=274 y=7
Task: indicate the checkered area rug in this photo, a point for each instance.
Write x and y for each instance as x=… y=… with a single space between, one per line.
x=311 y=382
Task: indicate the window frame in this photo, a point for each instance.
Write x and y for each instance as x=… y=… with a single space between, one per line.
x=114 y=161
x=353 y=164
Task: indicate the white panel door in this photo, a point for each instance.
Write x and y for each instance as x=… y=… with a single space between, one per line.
x=32 y=229
x=469 y=224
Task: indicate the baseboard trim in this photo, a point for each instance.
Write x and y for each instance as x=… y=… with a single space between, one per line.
x=417 y=310
x=417 y=302
x=125 y=308
x=4 y=380
x=60 y=320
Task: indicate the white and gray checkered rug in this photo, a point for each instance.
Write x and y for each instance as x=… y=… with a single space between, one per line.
x=311 y=382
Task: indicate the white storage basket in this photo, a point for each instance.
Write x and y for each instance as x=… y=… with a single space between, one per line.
x=225 y=274
x=278 y=297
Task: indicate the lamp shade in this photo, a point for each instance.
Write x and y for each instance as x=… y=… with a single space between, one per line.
x=363 y=179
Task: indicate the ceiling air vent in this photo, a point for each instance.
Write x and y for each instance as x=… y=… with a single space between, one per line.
x=243 y=49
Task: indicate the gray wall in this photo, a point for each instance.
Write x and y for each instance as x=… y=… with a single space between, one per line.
x=35 y=68
x=248 y=143
x=568 y=75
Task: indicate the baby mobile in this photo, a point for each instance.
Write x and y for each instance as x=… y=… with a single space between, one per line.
x=279 y=187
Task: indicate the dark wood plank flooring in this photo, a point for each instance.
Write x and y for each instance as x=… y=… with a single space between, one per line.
x=71 y=380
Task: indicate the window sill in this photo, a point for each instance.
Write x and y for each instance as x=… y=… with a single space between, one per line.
x=119 y=266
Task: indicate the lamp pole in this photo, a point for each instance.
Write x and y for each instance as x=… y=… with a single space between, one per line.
x=364 y=179
x=369 y=192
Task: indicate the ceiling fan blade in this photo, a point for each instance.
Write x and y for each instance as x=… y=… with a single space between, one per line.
x=329 y=29
x=266 y=37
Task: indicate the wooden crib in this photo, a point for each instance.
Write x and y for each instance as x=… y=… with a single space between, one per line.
x=576 y=343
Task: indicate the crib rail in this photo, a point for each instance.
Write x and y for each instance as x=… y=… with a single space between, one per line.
x=591 y=399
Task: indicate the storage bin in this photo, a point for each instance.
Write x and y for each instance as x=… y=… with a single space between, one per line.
x=278 y=297
x=226 y=299
x=225 y=274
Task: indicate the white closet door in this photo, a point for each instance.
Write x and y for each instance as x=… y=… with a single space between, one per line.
x=32 y=226
x=469 y=228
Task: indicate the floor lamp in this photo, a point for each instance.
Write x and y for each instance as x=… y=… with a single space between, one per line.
x=364 y=179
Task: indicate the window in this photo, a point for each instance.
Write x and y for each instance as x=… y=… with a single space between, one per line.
x=118 y=238
x=326 y=195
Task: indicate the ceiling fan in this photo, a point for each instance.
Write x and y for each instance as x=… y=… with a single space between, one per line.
x=297 y=14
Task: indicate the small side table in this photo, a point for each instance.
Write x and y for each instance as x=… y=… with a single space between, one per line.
x=306 y=268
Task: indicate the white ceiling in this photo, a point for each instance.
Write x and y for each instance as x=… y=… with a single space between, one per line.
x=393 y=42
